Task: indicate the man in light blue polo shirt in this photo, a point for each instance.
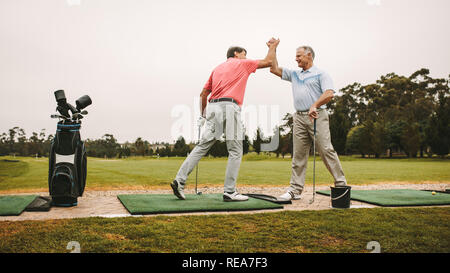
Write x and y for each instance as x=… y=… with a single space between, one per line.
x=312 y=89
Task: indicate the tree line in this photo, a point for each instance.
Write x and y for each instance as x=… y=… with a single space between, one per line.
x=16 y=143
x=396 y=114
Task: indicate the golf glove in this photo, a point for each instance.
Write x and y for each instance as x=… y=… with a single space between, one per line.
x=201 y=121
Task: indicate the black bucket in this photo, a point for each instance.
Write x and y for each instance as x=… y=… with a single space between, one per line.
x=340 y=197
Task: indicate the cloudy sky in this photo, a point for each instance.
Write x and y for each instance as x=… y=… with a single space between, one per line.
x=144 y=63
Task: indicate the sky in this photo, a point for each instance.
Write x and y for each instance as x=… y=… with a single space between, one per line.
x=144 y=63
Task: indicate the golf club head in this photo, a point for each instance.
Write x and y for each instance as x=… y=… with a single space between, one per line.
x=313 y=198
x=77 y=116
x=83 y=102
x=59 y=116
x=60 y=97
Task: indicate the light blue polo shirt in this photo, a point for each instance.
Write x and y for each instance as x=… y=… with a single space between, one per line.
x=307 y=86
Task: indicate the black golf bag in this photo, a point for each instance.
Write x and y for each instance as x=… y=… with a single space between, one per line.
x=67 y=161
x=67 y=165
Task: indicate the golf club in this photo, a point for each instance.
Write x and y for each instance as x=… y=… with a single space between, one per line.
x=314 y=164
x=198 y=141
x=60 y=117
x=196 y=169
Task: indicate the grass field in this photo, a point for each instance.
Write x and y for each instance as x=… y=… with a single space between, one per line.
x=396 y=230
x=31 y=173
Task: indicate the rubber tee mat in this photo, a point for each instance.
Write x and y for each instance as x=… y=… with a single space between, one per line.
x=398 y=197
x=13 y=205
x=168 y=203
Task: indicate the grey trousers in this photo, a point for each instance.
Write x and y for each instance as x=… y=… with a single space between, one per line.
x=302 y=140
x=221 y=118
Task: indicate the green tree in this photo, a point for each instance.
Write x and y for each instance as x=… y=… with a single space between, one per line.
x=356 y=140
x=139 y=146
x=277 y=132
x=12 y=139
x=394 y=132
x=3 y=144
x=34 y=145
x=22 y=146
x=285 y=145
x=219 y=149
x=110 y=145
x=438 y=129
x=411 y=139
x=181 y=148
x=107 y=146
x=286 y=131
x=378 y=138
x=166 y=151
x=246 y=145
x=258 y=140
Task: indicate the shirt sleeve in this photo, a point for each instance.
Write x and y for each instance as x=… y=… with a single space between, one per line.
x=250 y=65
x=208 y=85
x=286 y=74
x=326 y=83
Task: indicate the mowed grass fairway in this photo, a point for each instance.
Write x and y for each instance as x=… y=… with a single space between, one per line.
x=32 y=174
x=397 y=230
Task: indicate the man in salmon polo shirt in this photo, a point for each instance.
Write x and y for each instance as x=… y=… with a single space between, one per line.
x=226 y=87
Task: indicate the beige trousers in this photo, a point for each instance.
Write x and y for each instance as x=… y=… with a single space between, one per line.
x=303 y=139
x=221 y=118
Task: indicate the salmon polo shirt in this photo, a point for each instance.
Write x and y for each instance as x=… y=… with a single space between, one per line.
x=228 y=80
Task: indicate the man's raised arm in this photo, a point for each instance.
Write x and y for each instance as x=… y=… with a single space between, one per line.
x=268 y=60
x=274 y=69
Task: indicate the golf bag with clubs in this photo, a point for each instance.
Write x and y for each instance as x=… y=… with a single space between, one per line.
x=67 y=161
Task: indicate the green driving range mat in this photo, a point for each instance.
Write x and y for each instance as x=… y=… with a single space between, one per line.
x=398 y=197
x=14 y=204
x=168 y=203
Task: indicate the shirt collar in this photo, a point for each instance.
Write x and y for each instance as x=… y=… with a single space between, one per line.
x=311 y=69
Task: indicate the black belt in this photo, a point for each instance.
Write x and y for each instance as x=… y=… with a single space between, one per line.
x=224 y=99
